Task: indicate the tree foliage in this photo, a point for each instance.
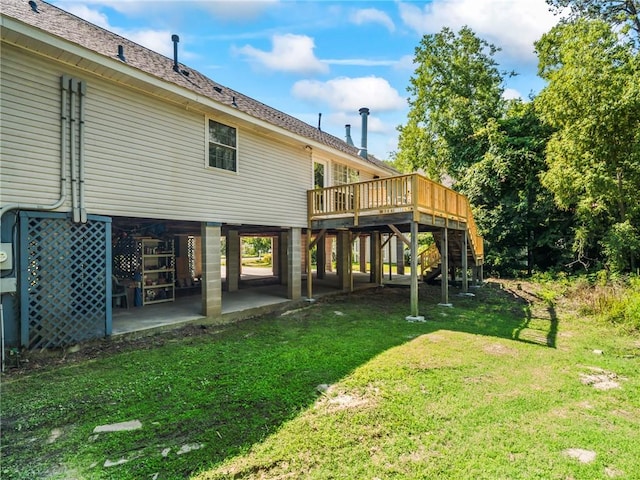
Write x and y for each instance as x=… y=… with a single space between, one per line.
x=623 y=13
x=522 y=226
x=593 y=102
x=455 y=90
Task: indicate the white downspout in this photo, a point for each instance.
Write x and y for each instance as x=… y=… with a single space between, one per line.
x=73 y=150
x=64 y=87
x=82 y=94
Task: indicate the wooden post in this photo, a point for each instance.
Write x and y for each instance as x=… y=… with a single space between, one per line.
x=309 y=270
x=465 y=266
x=376 y=258
x=414 y=317
x=445 y=268
x=234 y=260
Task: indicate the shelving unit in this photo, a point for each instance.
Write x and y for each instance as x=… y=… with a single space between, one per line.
x=158 y=271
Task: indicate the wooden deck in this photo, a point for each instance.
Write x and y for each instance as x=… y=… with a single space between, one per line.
x=397 y=201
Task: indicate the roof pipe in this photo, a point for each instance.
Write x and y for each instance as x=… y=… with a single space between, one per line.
x=64 y=124
x=348 y=138
x=175 y=39
x=364 y=113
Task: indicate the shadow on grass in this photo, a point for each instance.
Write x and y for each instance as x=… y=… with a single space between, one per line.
x=220 y=391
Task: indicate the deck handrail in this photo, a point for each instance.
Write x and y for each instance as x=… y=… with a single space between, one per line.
x=401 y=193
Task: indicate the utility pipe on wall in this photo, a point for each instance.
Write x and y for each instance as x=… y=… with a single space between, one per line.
x=73 y=151
x=81 y=100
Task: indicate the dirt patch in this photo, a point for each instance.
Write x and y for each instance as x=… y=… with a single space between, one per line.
x=600 y=379
x=499 y=349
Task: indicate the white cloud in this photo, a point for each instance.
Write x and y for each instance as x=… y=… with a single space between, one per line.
x=372 y=15
x=350 y=94
x=289 y=53
x=156 y=40
x=511 y=94
x=512 y=25
x=88 y=14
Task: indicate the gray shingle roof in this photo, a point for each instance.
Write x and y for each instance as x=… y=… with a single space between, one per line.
x=74 y=29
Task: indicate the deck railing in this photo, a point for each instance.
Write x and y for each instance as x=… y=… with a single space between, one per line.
x=403 y=193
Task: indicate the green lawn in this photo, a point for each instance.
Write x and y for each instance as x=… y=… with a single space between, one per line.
x=493 y=388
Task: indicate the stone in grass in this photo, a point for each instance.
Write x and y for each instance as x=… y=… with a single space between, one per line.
x=109 y=463
x=189 y=447
x=583 y=456
x=119 y=427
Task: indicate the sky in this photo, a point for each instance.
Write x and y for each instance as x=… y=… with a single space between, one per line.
x=308 y=58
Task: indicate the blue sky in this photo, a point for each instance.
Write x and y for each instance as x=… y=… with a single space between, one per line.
x=311 y=57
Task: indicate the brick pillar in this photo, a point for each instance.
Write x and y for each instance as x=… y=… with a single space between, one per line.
x=233 y=260
x=375 y=246
x=294 y=264
x=343 y=259
x=211 y=270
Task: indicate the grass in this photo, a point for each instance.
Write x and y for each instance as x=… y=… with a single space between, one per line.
x=492 y=388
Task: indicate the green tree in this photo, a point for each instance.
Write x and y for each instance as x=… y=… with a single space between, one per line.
x=523 y=229
x=624 y=13
x=593 y=102
x=455 y=90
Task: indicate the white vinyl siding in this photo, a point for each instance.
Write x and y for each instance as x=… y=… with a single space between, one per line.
x=144 y=156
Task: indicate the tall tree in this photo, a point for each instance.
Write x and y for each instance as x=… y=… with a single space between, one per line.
x=593 y=101
x=625 y=13
x=455 y=90
x=523 y=228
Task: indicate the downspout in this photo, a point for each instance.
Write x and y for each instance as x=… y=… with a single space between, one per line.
x=64 y=88
x=82 y=95
x=73 y=152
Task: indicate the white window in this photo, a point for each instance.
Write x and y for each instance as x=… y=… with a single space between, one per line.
x=223 y=151
x=342 y=174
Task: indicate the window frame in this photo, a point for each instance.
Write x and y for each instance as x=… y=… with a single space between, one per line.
x=209 y=142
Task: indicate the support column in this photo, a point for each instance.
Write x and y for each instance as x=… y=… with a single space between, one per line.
x=233 y=260
x=275 y=257
x=363 y=254
x=343 y=260
x=211 y=270
x=328 y=250
x=294 y=263
x=375 y=246
x=414 y=317
x=444 y=261
x=321 y=257
x=400 y=255
x=307 y=251
x=465 y=266
x=283 y=261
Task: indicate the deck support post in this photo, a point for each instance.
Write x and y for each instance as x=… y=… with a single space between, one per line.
x=400 y=255
x=465 y=266
x=234 y=263
x=309 y=269
x=343 y=254
x=444 y=260
x=211 y=269
x=375 y=246
x=321 y=257
x=294 y=263
x=363 y=254
x=414 y=317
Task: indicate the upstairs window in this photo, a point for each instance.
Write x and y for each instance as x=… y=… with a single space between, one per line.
x=342 y=174
x=223 y=151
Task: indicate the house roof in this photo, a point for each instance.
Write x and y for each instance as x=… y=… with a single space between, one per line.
x=69 y=27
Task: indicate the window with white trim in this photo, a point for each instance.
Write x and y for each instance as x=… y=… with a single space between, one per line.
x=342 y=174
x=223 y=152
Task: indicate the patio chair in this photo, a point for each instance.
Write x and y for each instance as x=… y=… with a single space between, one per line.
x=119 y=293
